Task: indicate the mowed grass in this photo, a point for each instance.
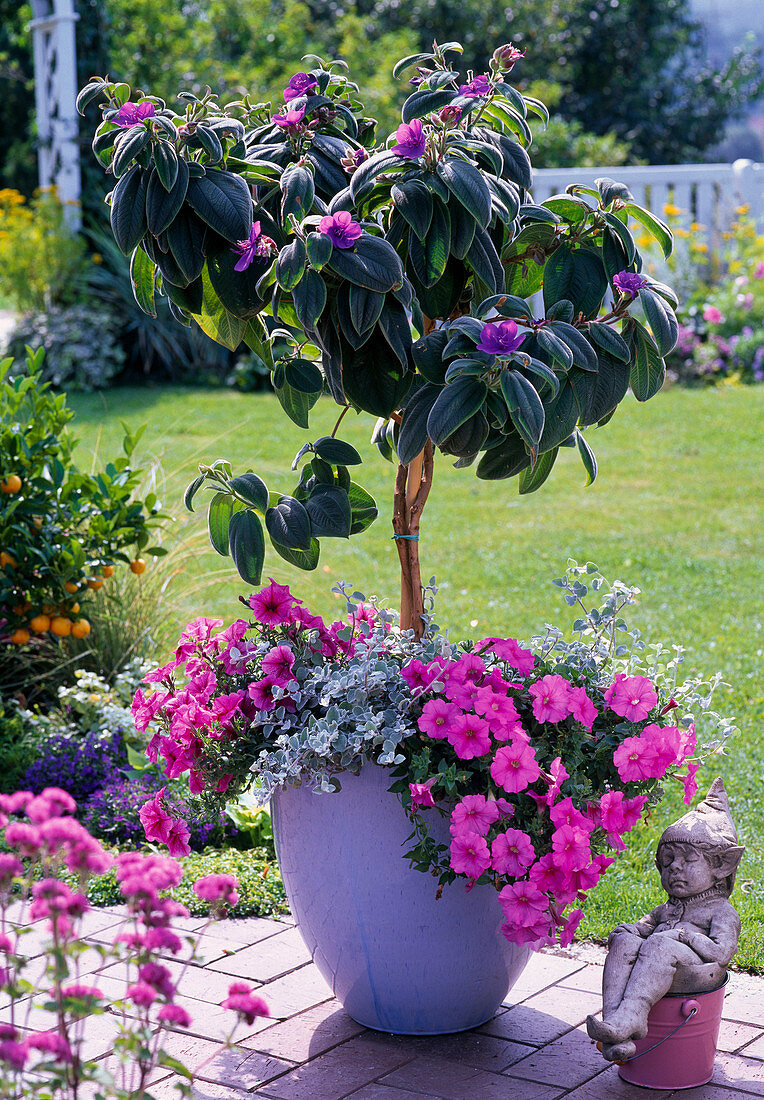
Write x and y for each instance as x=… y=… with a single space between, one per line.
x=676 y=510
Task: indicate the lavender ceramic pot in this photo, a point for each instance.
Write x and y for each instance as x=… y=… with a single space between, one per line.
x=398 y=959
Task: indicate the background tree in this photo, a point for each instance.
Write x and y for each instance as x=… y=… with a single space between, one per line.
x=18 y=162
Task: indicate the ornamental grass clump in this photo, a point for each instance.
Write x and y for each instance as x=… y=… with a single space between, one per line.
x=44 y=842
x=408 y=276
x=540 y=759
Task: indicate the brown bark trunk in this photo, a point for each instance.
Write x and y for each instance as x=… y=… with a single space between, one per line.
x=412 y=486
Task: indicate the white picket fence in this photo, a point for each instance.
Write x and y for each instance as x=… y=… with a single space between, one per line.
x=707 y=194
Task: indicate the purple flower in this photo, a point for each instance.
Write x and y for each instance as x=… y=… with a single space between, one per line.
x=133 y=114
x=340 y=228
x=291 y=120
x=298 y=85
x=628 y=282
x=506 y=56
x=500 y=339
x=248 y=248
x=478 y=86
x=411 y=141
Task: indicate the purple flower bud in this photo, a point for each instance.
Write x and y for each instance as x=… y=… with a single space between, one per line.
x=500 y=339
x=450 y=115
x=340 y=228
x=628 y=282
x=133 y=114
x=411 y=140
x=506 y=56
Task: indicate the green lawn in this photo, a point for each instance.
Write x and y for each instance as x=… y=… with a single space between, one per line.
x=674 y=511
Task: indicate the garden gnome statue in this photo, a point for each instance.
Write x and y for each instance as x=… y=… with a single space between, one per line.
x=686 y=944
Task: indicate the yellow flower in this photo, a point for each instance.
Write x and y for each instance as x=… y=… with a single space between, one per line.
x=97 y=258
x=644 y=240
x=672 y=211
x=699 y=247
x=679 y=232
x=696 y=227
x=742 y=209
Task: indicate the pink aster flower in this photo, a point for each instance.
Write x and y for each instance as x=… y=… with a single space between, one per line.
x=551 y=702
x=523 y=903
x=133 y=114
x=474 y=814
x=278 y=665
x=411 y=142
x=439 y=717
x=341 y=229
x=470 y=855
x=582 y=708
x=27 y=839
x=500 y=338
x=470 y=736
x=713 y=315
x=175 y=1015
x=141 y=993
x=632 y=697
x=421 y=794
x=217 y=888
x=272 y=605
x=50 y=1042
x=510 y=650
x=247 y=1004
x=512 y=852
x=514 y=767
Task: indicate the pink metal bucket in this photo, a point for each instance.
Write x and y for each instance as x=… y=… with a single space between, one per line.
x=679 y=1048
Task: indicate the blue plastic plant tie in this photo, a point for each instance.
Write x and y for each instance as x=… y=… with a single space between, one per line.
x=411 y=538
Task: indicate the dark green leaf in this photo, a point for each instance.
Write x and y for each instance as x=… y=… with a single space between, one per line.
x=647 y=368
x=661 y=318
x=557 y=350
x=190 y=297
x=575 y=274
x=505 y=460
x=288 y=524
x=412 y=434
x=609 y=189
x=532 y=478
x=166 y=164
x=291 y=264
x=605 y=337
x=297 y=192
x=541 y=370
x=653 y=225
x=336 y=451
x=561 y=414
x=143 y=281
x=309 y=297
x=613 y=253
x=303 y=559
x=223 y=201
x=374 y=379
x=252 y=490
x=247 y=543
x=587 y=457
x=239 y=291
x=303 y=375
x=413 y=201
x=363 y=508
x=162 y=206
x=127 y=147
x=329 y=511
x=525 y=407
x=455 y=403
x=363 y=178
x=412 y=59
x=484 y=261
x=394 y=326
x=373 y=263
x=422 y=102
x=584 y=355
x=570 y=210
x=128 y=210
x=218 y=518
x=319 y=247
x=365 y=307
x=621 y=231
x=428 y=355
x=467 y=185
x=429 y=257
x=561 y=311
x=295 y=402
x=190 y=493
x=611 y=384
x=463 y=227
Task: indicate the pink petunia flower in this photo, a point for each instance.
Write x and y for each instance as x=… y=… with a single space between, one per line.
x=470 y=855
x=421 y=794
x=637 y=759
x=633 y=697
x=568 y=930
x=261 y=693
x=278 y=665
x=618 y=814
x=570 y=848
x=512 y=852
x=514 y=767
x=510 y=650
x=178 y=836
x=523 y=903
x=474 y=814
x=470 y=736
x=273 y=604
x=581 y=706
x=551 y=702
x=565 y=813
x=689 y=783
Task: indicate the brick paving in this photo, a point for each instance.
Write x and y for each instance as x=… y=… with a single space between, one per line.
x=535 y=1048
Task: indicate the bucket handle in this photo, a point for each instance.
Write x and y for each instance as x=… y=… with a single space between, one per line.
x=694 y=1009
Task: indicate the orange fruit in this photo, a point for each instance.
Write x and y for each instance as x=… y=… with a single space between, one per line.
x=95 y=583
x=80 y=628
x=48 y=609
x=11 y=484
x=138 y=566
x=6 y=559
x=70 y=587
x=20 y=636
x=73 y=608
x=37 y=522
x=107 y=571
x=60 y=626
x=40 y=623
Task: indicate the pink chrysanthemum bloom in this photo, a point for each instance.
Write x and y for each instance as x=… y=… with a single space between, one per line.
x=523 y=903
x=273 y=604
x=470 y=855
x=633 y=697
x=474 y=814
x=217 y=888
x=512 y=852
x=550 y=698
x=247 y=1004
x=470 y=736
x=581 y=707
x=514 y=767
x=141 y=993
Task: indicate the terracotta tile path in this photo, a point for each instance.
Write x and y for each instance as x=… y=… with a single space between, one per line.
x=535 y=1048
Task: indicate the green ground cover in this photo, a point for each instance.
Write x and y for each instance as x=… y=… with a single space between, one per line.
x=674 y=511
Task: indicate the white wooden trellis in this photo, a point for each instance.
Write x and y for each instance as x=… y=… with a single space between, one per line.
x=55 y=69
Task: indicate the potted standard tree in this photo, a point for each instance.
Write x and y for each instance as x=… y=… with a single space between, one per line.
x=414 y=279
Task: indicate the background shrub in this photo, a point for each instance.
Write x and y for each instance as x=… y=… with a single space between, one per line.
x=82 y=341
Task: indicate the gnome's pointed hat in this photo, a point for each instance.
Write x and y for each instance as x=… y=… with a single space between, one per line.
x=710 y=827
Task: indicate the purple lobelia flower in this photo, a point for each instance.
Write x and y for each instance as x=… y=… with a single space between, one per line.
x=500 y=339
x=298 y=85
x=411 y=140
x=290 y=120
x=478 y=86
x=132 y=114
x=340 y=228
x=628 y=282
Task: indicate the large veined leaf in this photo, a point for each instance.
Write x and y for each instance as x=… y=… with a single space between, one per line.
x=412 y=434
x=297 y=192
x=166 y=163
x=222 y=200
x=468 y=186
x=532 y=478
x=247 y=545
x=128 y=209
x=484 y=261
x=525 y=407
x=295 y=402
x=374 y=378
x=309 y=297
x=363 y=508
x=365 y=307
x=421 y=103
x=561 y=414
x=162 y=206
x=575 y=274
x=303 y=559
x=661 y=318
x=468 y=438
x=557 y=349
x=394 y=326
x=413 y=201
x=647 y=368
x=373 y=263
x=329 y=511
x=363 y=178
x=606 y=338
x=336 y=451
x=252 y=490
x=143 y=281
x=456 y=403
x=653 y=225
x=584 y=355
x=129 y=144
x=428 y=258
x=237 y=290
x=186 y=240
x=215 y=320
x=587 y=457
x=611 y=384
x=288 y=524
x=218 y=518
x=291 y=264
x=505 y=460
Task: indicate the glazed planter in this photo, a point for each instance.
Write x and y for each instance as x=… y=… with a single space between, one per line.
x=396 y=957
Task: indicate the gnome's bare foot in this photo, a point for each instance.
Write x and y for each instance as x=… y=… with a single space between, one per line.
x=618 y=1052
x=627 y=1022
